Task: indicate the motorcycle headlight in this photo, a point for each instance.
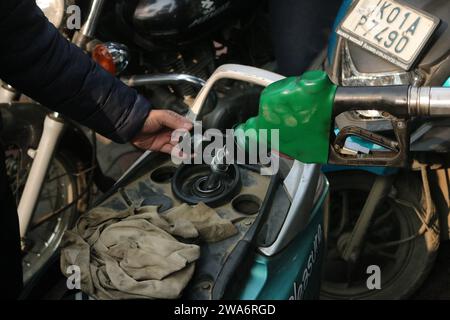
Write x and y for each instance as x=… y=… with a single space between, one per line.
x=54 y=10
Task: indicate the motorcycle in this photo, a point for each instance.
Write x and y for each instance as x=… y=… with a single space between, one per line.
x=167 y=56
x=378 y=214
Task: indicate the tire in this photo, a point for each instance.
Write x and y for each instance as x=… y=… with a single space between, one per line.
x=66 y=176
x=403 y=267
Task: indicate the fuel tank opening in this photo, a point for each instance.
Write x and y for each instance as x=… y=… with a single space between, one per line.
x=191 y=184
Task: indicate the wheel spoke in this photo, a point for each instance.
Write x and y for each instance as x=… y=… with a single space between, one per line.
x=381 y=219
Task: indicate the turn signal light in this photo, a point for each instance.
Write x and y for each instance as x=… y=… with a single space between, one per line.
x=104 y=58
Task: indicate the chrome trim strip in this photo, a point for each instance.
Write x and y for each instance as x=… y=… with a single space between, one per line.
x=311 y=186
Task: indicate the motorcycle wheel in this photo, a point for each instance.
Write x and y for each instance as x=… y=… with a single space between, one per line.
x=403 y=266
x=63 y=187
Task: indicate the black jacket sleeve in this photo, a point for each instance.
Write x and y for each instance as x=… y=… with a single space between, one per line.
x=37 y=60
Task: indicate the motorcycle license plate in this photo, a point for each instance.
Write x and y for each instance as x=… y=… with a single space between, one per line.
x=390 y=29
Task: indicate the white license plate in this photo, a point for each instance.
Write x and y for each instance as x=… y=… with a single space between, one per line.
x=390 y=29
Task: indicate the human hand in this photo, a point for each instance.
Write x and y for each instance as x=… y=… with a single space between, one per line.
x=156 y=134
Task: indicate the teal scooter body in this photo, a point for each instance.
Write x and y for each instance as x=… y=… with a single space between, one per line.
x=294 y=273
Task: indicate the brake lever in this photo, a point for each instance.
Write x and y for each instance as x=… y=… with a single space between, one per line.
x=396 y=154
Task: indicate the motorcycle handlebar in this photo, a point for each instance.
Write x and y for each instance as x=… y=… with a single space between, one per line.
x=399 y=101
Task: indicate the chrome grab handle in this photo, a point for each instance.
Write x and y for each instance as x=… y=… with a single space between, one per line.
x=232 y=71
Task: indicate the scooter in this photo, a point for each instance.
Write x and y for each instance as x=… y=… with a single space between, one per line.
x=313 y=101
x=278 y=251
x=379 y=204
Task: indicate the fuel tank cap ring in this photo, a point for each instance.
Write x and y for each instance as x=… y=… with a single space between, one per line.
x=188 y=185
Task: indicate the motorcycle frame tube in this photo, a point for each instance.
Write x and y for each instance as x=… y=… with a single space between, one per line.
x=52 y=132
x=380 y=190
x=91 y=21
x=167 y=79
x=170 y=78
x=88 y=29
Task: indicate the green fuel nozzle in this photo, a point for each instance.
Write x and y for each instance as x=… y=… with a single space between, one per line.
x=303 y=110
x=300 y=108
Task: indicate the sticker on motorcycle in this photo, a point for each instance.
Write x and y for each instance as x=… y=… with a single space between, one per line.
x=390 y=29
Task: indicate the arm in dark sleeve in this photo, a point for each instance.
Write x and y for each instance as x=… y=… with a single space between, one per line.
x=37 y=60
